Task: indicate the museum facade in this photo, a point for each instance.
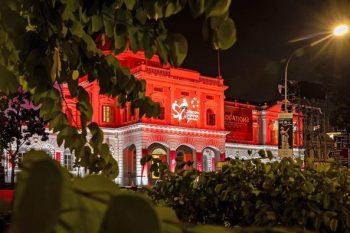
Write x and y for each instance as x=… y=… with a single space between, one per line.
x=195 y=119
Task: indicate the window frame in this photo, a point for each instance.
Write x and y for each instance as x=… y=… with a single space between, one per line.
x=210 y=117
x=107 y=114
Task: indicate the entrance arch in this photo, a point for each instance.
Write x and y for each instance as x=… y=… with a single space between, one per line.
x=210 y=157
x=129 y=165
x=187 y=154
x=159 y=151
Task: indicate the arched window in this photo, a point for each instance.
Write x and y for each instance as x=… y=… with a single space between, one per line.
x=208 y=160
x=159 y=153
x=210 y=117
x=107 y=114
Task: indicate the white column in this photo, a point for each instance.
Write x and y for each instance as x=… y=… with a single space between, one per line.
x=262 y=127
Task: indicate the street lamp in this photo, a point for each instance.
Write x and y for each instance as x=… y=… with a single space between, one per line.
x=338 y=31
x=341 y=30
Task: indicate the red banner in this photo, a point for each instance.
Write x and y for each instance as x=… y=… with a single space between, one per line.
x=239 y=122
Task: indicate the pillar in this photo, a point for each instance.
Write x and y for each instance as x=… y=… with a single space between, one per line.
x=199 y=158
x=222 y=156
x=146 y=167
x=172 y=159
x=58 y=156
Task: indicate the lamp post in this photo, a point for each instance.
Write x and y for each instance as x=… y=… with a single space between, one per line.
x=338 y=31
x=285 y=119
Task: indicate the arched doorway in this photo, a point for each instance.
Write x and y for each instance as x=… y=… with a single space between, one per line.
x=159 y=151
x=210 y=156
x=186 y=153
x=129 y=166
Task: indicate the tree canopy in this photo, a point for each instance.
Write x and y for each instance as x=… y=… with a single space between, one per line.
x=45 y=44
x=19 y=122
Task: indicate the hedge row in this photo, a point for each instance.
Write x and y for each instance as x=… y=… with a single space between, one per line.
x=247 y=193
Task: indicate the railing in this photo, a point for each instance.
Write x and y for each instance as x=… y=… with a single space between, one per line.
x=165 y=72
x=212 y=81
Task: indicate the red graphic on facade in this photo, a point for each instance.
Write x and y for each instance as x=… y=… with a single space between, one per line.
x=239 y=122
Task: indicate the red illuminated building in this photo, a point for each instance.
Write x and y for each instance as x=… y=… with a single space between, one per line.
x=195 y=119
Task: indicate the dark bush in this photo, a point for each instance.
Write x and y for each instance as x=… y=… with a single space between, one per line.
x=250 y=192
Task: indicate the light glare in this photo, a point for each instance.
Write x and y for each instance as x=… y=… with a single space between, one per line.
x=341 y=30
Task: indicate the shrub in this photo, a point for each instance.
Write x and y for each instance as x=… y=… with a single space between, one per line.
x=47 y=199
x=264 y=194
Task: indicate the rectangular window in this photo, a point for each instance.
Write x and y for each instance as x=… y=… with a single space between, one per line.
x=211 y=119
x=209 y=97
x=158 y=89
x=184 y=93
x=107 y=116
x=68 y=163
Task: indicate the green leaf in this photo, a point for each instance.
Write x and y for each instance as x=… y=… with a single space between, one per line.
x=141 y=15
x=43 y=186
x=90 y=43
x=333 y=225
x=217 y=21
x=167 y=214
x=168 y=220
x=197 y=7
x=109 y=26
x=173 y=8
x=207 y=228
x=95 y=184
x=97 y=135
x=58 y=122
x=147 y=45
x=134 y=38
x=130 y=4
x=75 y=74
x=71 y=6
x=64 y=133
x=178 y=48
x=8 y=81
x=130 y=213
x=84 y=105
x=77 y=29
x=225 y=35
x=96 y=23
x=218 y=8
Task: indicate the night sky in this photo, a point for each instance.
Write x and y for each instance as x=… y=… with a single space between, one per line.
x=253 y=67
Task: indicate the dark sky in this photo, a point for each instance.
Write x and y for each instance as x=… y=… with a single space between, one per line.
x=254 y=65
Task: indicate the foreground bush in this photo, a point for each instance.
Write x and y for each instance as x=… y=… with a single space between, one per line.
x=48 y=199
x=253 y=193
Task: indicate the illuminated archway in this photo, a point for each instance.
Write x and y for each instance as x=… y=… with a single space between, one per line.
x=185 y=153
x=159 y=151
x=129 y=165
x=210 y=157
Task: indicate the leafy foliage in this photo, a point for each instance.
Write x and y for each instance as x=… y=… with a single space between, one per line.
x=19 y=122
x=92 y=204
x=250 y=192
x=45 y=44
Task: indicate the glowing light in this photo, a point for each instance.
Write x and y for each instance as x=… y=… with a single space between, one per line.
x=341 y=30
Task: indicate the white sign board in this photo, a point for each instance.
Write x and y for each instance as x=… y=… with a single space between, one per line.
x=186 y=110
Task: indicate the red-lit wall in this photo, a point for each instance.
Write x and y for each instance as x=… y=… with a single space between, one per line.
x=251 y=124
x=241 y=120
x=170 y=87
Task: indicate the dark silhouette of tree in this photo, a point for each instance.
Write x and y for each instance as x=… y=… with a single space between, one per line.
x=20 y=120
x=340 y=99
